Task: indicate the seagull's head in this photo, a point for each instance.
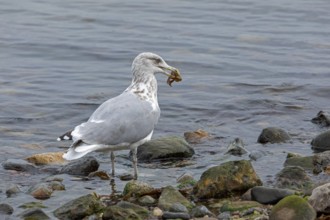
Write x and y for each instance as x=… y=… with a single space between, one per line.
x=150 y=63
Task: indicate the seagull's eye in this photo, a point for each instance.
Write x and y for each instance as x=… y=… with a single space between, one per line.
x=156 y=60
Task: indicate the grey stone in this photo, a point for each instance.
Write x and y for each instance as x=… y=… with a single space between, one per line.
x=320 y=198
x=6 y=209
x=178 y=207
x=200 y=211
x=273 y=135
x=256 y=154
x=321 y=142
x=146 y=200
x=176 y=215
x=165 y=148
x=267 y=195
x=81 y=167
x=294 y=177
x=12 y=190
x=20 y=165
x=224 y=216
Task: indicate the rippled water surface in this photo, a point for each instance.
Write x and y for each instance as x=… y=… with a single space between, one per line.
x=246 y=65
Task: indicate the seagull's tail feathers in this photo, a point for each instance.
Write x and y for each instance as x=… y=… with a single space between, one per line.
x=79 y=149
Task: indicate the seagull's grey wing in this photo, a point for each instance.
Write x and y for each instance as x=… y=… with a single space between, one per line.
x=124 y=119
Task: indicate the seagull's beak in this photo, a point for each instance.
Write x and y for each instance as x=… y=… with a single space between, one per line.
x=172 y=73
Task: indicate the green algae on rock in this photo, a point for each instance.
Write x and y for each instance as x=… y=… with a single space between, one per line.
x=292 y=208
x=227 y=179
x=170 y=196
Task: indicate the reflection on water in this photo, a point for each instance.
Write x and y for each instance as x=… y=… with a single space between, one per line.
x=246 y=65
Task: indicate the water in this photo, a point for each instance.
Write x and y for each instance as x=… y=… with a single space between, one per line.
x=246 y=65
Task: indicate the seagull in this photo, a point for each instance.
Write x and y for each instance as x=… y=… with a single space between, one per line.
x=127 y=120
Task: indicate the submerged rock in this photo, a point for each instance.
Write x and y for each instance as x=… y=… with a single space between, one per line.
x=125 y=211
x=273 y=135
x=34 y=213
x=294 y=177
x=292 y=208
x=320 y=198
x=12 y=190
x=165 y=148
x=236 y=147
x=322 y=119
x=6 y=209
x=267 y=195
x=19 y=165
x=46 y=158
x=81 y=167
x=195 y=137
x=41 y=191
x=321 y=142
x=321 y=161
x=256 y=154
x=79 y=208
x=229 y=178
x=170 y=196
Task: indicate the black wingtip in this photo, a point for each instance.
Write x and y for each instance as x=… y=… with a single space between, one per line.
x=65 y=137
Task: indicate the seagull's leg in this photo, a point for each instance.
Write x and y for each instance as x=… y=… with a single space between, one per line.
x=112 y=156
x=135 y=163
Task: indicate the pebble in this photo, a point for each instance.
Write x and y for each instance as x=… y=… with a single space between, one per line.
x=157 y=212
x=176 y=215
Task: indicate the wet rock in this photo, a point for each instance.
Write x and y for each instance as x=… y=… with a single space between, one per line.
x=178 y=207
x=273 y=135
x=304 y=162
x=321 y=142
x=6 y=209
x=195 y=137
x=320 y=198
x=176 y=215
x=247 y=195
x=200 y=211
x=224 y=216
x=169 y=196
x=125 y=210
x=321 y=161
x=79 y=208
x=41 y=191
x=100 y=174
x=233 y=177
x=165 y=148
x=293 y=177
x=186 y=182
x=135 y=188
x=256 y=154
x=236 y=148
x=19 y=165
x=12 y=190
x=267 y=195
x=46 y=158
x=292 y=208
x=146 y=200
x=56 y=186
x=322 y=119
x=34 y=213
x=81 y=167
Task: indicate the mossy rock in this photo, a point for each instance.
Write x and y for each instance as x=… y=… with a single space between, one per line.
x=292 y=208
x=304 y=162
x=135 y=188
x=227 y=179
x=125 y=211
x=169 y=196
x=79 y=208
x=232 y=206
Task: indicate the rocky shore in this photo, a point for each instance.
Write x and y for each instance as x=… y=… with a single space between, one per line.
x=230 y=190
